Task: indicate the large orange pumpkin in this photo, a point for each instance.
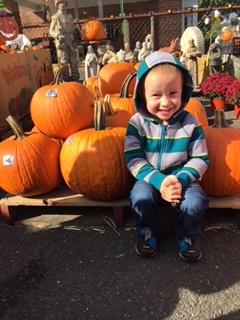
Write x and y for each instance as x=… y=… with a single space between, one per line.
x=222 y=178
x=29 y=163
x=92 y=30
x=92 y=162
x=196 y=108
x=62 y=108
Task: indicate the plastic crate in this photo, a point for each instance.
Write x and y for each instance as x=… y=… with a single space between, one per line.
x=231 y=47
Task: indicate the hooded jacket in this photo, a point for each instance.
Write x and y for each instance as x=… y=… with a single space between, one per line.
x=153 y=151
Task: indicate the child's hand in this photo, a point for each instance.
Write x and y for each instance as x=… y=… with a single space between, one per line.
x=171 y=189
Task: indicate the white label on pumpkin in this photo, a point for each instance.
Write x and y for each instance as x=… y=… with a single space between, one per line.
x=51 y=93
x=69 y=140
x=8 y=160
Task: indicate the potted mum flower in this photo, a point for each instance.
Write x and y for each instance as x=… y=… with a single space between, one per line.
x=233 y=97
x=214 y=87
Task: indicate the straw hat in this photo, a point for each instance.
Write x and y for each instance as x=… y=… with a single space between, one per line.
x=57 y=2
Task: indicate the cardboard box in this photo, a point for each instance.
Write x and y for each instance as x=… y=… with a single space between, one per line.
x=40 y=66
x=21 y=74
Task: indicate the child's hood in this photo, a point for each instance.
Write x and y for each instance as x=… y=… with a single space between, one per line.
x=154 y=59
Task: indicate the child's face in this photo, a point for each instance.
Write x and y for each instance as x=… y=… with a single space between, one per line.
x=163 y=91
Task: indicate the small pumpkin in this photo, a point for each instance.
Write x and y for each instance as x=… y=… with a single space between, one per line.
x=222 y=178
x=29 y=163
x=92 y=30
x=62 y=108
x=227 y=35
x=196 y=108
x=92 y=161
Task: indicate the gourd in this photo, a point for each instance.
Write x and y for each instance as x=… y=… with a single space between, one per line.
x=62 y=108
x=222 y=178
x=92 y=161
x=112 y=75
x=29 y=163
x=196 y=108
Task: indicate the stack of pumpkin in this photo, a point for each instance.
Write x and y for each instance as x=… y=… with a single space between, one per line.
x=79 y=138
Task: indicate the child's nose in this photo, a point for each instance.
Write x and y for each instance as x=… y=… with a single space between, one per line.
x=164 y=100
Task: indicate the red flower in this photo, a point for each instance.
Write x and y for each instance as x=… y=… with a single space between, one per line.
x=216 y=85
x=233 y=93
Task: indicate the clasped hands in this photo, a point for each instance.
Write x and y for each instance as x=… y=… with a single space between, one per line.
x=171 y=189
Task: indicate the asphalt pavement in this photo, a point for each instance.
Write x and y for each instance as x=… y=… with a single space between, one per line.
x=94 y=273
x=87 y=269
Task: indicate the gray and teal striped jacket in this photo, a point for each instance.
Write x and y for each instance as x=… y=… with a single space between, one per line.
x=153 y=151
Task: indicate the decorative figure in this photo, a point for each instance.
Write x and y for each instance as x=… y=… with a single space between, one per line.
x=129 y=53
x=101 y=51
x=215 y=58
x=136 y=51
x=91 y=63
x=149 y=41
x=121 y=55
x=62 y=30
x=174 y=48
x=110 y=47
x=192 y=64
x=144 y=52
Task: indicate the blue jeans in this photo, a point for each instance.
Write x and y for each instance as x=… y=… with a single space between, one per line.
x=146 y=203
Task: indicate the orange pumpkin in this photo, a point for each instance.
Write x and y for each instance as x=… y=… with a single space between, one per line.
x=123 y=101
x=115 y=118
x=227 y=35
x=222 y=178
x=196 y=108
x=62 y=108
x=92 y=30
x=92 y=161
x=29 y=164
x=112 y=76
x=5 y=48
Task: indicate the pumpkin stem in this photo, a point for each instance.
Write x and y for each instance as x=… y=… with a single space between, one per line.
x=113 y=55
x=16 y=128
x=107 y=106
x=95 y=92
x=124 y=88
x=220 y=120
x=58 y=75
x=99 y=117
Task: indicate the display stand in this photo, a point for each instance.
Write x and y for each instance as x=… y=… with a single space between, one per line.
x=64 y=197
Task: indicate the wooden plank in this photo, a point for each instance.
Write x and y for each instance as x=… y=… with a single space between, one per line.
x=63 y=196
x=231 y=202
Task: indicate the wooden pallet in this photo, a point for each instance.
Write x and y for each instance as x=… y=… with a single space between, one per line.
x=64 y=197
